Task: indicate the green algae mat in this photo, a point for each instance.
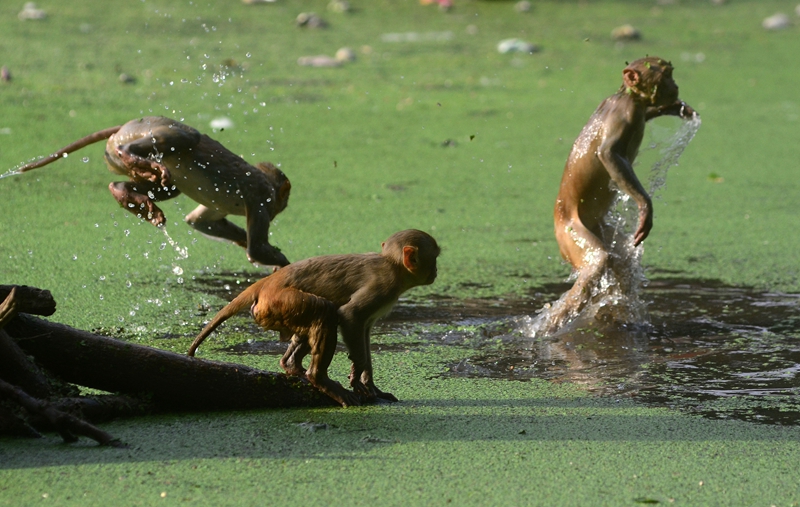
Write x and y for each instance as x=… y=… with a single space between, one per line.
x=430 y=127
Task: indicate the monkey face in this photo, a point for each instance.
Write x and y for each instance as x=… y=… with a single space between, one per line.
x=665 y=90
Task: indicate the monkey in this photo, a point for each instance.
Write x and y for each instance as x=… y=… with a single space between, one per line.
x=163 y=158
x=307 y=302
x=601 y=161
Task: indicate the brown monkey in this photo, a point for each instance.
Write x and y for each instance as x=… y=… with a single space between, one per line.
x=163 y=158
x=604 y=153
x=310 y=299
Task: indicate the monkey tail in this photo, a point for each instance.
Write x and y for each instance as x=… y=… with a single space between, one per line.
x=77 y=145
x=239 y=303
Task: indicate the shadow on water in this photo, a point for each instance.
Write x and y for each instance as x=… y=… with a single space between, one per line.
x=716 y=350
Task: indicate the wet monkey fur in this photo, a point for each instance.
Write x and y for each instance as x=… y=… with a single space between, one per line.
x=163 y=158
x=310 y=299
x=601 y=161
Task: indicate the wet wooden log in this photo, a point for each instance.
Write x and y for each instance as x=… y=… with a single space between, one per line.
x=173 y=382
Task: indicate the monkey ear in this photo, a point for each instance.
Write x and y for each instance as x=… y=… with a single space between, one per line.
x=630 y=77
x=410 y=258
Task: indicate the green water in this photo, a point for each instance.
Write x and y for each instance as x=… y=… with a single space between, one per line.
x=446 y=135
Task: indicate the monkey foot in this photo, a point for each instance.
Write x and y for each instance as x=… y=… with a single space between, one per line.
x=338 y=393
x=144 y=168
x=370 y=392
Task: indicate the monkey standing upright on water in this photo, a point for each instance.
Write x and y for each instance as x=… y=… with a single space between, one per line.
x=310 y=299
x=604 y=153
x=163 y=158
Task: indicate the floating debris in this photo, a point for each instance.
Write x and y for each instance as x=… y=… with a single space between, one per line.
x=777 y=21
x=223 y=122
x=310 y=20
x=523 y=6
x=516 y=46
x=30 y=11
x=126 y=78
x=417 y=37
x=314 y=427
x=340 y=6
x=343 y=55
x=626 y=32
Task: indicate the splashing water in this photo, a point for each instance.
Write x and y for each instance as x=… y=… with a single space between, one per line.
x=10 y=172
x=615 y=298
x=183 y=253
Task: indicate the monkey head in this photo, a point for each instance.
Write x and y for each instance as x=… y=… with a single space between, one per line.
x=650 y=79
x=417 y=252
x=282 y=184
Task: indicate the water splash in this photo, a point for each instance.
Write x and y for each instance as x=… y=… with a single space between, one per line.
x=10 y=172
x=182 y=253
x=614 y=299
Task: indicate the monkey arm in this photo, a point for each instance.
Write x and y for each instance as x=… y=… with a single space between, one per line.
x=160 y=137
x=679 y=108
x=258 y=247
x=612 y=153
x=355 y=321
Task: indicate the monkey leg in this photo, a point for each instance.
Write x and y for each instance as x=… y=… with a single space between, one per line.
x=589 y=257
x=361 y=379
x=314 y=322
x=322 y=341
x=139 y=197
x=292 y=360
x=258 y=247
x=213 y=223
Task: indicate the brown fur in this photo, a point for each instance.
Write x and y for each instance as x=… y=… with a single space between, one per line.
x=310 y=299
x=604 y=153
x=163 y=157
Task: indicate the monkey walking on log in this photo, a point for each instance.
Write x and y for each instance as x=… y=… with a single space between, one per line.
x=310 y=299
x=603 y=153
x=163 y=157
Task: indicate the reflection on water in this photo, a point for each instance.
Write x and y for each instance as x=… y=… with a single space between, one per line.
x=720 y=351
x=716 y=350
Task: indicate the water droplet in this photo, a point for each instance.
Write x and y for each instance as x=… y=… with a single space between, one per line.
x=85 y=159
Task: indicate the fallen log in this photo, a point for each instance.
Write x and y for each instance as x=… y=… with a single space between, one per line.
x=16 y=365
x=67 y=425
x=173 y=382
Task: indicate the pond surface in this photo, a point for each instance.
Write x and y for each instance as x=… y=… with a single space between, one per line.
x=708 y=348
